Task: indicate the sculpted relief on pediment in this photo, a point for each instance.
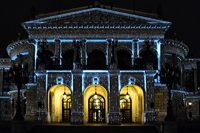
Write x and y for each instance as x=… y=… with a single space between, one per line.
x=95 y=16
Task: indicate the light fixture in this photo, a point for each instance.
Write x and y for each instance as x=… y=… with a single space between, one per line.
x=190 y=103
x=95 y=94
x=127 y=95
x=64 y=94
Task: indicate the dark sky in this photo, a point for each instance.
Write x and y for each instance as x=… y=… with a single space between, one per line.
x=184 y=15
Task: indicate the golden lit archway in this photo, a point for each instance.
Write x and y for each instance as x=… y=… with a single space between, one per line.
x=55 y=100
x=88 y=93
x=136 y=96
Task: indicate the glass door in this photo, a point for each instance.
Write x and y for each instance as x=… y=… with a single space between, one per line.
x=66 y=109
x=96 y=108
x=125 y=109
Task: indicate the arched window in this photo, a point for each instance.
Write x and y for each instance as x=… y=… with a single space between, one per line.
x=68 y=60
x=96 y=108
x=96 y=60
x=124 y=60
x=44 y=60
x=125 y=109
x=66 y=108
x=149 y=60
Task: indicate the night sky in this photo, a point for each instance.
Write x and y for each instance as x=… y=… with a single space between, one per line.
x=184 y=15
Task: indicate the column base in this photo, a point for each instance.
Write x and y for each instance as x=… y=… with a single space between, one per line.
x=77 y=118
x=114 y=119
x=77 y=66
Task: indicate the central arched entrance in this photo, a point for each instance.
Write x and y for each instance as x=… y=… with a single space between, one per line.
x=95 y=104
x=59 y=104
x=96 y=108
x=132 y=104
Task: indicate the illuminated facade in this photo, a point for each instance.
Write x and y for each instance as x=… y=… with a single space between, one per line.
x=107 y=62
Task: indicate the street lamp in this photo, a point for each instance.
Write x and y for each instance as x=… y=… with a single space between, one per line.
x=19 y=75
x=170 y=76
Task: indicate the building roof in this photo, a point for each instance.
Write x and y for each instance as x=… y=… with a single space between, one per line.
x=97 y=20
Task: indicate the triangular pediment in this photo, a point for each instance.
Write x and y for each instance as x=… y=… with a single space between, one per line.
x=97 y=17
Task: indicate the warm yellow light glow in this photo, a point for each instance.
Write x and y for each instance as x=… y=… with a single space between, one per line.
x=127 y=96
x=64 y=95
x=55 y=99
x=89 y=91
x=137 y=106
x=95 y=96
x=190 y=103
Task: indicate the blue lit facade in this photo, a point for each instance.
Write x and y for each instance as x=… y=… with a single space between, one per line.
x=108 y=64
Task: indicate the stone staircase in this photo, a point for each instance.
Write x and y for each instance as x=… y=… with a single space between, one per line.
x=93 y=129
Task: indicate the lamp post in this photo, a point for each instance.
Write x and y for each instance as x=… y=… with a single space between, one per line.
x=19 y=76
x=169 y=76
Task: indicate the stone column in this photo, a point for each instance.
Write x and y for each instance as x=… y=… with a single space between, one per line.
x=134 y=49
x=77 y=98
x=114 y=109
x=136 y=54
x=57 y=52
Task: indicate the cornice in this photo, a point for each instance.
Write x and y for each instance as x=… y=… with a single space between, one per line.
x=175 y=43
x=18 y=43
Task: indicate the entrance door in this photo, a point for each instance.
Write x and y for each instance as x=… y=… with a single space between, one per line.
x=125 y=109
x=66 y=109
x=96 y=108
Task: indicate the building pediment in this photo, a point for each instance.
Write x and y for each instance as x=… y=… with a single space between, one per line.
x=95 y=19
x=99 y=18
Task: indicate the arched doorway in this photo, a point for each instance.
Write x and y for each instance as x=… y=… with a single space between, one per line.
x=125 y=108
x=96 y=108
x=132 y=104
x=59 y=104
x=95 y=104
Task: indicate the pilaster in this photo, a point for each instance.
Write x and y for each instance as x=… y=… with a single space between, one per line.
x=57 y=51
x=77 y=98
x=114 y=110
x=135 y=48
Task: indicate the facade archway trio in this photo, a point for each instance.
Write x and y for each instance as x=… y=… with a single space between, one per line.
x=96 y=104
